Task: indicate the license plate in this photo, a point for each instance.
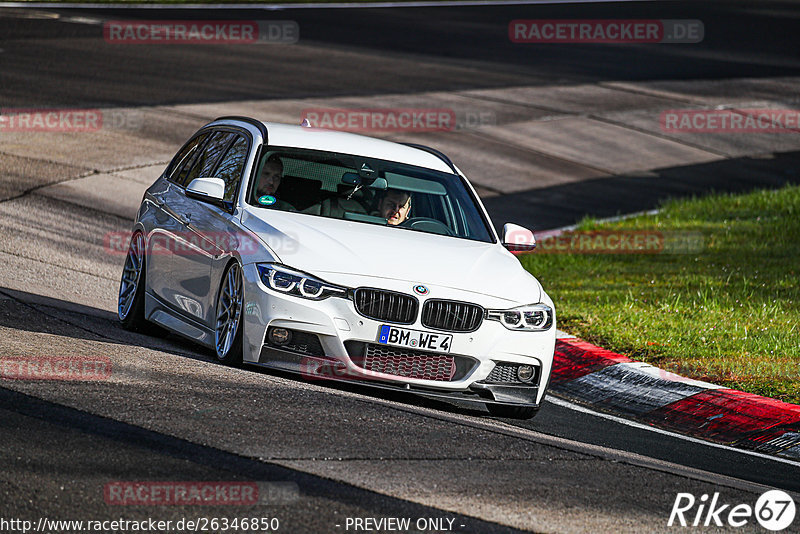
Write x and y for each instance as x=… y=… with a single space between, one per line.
x=414 y=339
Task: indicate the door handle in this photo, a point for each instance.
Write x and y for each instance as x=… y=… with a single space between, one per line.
x=186 y=219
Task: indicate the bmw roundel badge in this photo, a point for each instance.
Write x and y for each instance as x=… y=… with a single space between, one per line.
x=419 y=289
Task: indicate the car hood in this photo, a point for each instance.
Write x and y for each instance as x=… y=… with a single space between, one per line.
x=341 y=251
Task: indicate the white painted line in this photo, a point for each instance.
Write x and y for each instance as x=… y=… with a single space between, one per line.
x=311 y=5
x=618 y=455
x=501 y=427
x=29 y=14
x=494 y=425
x=616 y=218
x=634 y=424
x=82 y=20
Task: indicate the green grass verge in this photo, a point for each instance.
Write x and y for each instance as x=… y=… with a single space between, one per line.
x=728 y=313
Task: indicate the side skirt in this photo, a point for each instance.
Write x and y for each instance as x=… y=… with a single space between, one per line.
x=161 y=314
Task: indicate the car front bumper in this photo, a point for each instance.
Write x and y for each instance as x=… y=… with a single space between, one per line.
x=333 y=335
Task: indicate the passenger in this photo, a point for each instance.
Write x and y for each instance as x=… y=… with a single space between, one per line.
x=268 y=183
x=394 y=206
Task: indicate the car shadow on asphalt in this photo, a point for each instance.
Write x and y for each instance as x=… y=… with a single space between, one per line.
x=20 y=310
x=34 y=313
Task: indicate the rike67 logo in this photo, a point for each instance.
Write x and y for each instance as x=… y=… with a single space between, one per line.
x=774 y=510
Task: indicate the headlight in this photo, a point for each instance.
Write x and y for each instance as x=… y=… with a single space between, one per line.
x=526 y=318
x=293 y=282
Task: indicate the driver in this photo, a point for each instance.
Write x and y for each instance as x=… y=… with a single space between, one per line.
x=394 y=206
x=268 y=183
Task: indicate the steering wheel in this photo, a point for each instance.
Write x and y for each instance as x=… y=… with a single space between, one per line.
x=426 y=224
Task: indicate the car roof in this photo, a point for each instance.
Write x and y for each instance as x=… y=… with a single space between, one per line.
x=290 y=135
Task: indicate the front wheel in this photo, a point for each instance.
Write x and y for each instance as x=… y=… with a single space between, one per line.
x=512 y=412
x=130 y=304
x=228 y=331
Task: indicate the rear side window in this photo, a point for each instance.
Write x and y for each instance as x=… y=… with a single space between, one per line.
x=183 y=159
x=209 y=157
x=231 y=166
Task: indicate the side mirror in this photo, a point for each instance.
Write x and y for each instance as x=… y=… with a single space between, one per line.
x=518 y=238
x=206 y=189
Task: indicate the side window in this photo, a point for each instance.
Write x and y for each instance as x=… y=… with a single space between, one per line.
x=184 y=157
x=208 y=158
x=231 y=166
x=190 y=161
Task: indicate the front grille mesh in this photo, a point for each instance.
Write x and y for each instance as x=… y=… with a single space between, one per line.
x=386 y=305
x=408 y=363
x=451 y=315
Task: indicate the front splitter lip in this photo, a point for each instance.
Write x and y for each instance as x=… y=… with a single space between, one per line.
x=479 y=392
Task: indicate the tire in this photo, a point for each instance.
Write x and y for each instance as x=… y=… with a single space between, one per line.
x=228 y=326
x=512 y=412
x=130 y=302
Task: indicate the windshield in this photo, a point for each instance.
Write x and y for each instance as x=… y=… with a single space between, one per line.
x=366 y=190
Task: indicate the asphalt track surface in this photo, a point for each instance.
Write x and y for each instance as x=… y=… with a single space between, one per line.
x=168 y=412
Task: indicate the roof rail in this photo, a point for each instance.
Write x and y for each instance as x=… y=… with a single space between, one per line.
x=258 y=124
x=435 y=152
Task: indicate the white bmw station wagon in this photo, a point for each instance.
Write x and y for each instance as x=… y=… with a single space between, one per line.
x=341 y=257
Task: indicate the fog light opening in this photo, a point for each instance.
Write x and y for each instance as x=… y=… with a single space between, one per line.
x=525 y=373
x=279 y=336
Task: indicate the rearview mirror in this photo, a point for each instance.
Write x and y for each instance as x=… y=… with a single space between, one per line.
x=206 y=189
x=518 y=238
x=351 y=178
